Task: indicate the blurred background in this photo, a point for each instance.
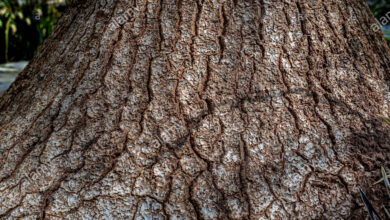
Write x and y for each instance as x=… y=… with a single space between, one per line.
x=381 y=10
x=24 y=24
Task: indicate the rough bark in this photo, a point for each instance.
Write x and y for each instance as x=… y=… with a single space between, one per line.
x=221 y=109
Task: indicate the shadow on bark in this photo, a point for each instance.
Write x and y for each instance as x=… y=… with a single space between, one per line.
x=370 y=146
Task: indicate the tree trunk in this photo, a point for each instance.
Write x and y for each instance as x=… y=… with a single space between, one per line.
x=199 y=110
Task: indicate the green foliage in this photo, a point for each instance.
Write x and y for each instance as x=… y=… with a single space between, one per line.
x=24 y=26
x=380 y=9
x=384 y=118
x=386 y=180
x=10 y=13
x=370 y=209
x=386 y=33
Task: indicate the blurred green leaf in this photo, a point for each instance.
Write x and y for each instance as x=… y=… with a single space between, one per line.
x=386 y=180
x=19 y=14
x=39 y=11
x=3 y=11
x=13 y=28
x=386 y=119
x=28 y=21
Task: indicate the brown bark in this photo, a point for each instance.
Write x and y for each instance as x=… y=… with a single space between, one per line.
x=198 y=109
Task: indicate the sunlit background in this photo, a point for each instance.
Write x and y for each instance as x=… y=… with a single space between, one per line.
x=24 y=24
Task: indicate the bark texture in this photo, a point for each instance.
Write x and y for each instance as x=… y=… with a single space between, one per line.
x=207 y=109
